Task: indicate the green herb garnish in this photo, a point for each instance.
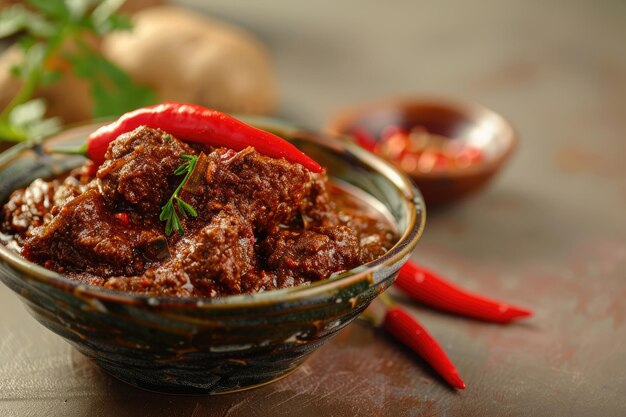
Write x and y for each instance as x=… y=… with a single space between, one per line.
x=52 y=34
x=168 y=211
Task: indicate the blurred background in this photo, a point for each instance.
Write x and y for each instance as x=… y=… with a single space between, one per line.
x=547 y=233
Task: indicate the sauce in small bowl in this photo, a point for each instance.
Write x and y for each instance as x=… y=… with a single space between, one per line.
x=451 y=149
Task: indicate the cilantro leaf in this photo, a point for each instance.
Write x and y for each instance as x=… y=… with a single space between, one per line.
x=105 y=18
x=56 y=9
x=44 y=27
x=112 y=90
x=17 y=18
x=29 y=118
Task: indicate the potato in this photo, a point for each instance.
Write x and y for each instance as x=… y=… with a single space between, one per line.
x=188 y=57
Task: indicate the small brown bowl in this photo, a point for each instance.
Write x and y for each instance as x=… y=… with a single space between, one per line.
x=478 y=126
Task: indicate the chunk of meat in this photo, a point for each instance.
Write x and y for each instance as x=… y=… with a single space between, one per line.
x=32 y=206
x=310 y=255
x=320 y=209
x=266 y=191
x=217 y=256
x=85 y=237
x=165 y=280
x=27 y=208
x=138 y=169
x=375 y=236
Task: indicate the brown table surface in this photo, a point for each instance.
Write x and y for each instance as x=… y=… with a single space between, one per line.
x=549 y=233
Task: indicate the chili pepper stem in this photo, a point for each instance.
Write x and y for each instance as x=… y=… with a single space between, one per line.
x=386 y=300
x=369 y=318
x=82 y=150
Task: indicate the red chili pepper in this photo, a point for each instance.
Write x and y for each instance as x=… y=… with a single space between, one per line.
x=197 y=124
x=364 y=139
x=410 y=332
x=425 y=286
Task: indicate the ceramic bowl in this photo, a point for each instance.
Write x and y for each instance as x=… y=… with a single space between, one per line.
x=477 y=125
x=206 y=346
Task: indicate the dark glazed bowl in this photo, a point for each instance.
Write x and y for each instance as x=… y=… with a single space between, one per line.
x=206 y=346
x=479 y=126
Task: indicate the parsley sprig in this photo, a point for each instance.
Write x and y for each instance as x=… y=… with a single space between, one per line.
x=45 y=29
x=168 y=211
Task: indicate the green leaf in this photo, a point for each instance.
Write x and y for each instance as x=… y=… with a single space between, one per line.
x=180 y=207
x=166 y=211
x=17 y=18
x=33 y=60
x=168 y=225
x=26 y=42
x=104 y=18
x=78 y=8
x=11 y=20
x=120 y=22
x=16 y=71
x=29 y=119
x=44 y=128
x=56 y=9
x=182 y=169
x=50 y=77
x=11 y=133
x=44 y=27
x=112 y=90
x=178 y=226
x=28 y=112
x=185 y=207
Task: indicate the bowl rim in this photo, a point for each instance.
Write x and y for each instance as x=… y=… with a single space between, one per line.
x=399 y=253
x=343 y=118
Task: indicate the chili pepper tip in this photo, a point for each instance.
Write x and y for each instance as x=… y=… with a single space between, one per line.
x=456 y=381
x=514 y=312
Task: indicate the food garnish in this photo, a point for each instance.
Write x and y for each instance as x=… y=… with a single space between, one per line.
x=52 y=38
x=168 y=211
x=197 y=124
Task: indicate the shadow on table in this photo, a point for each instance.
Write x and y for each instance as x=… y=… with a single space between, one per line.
x=344 y=378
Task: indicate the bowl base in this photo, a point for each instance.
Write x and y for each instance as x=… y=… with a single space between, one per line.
x=189 y=390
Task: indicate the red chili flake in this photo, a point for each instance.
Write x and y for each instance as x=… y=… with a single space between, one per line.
x=418 y=149
x=291 y=263
x=122 y=217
